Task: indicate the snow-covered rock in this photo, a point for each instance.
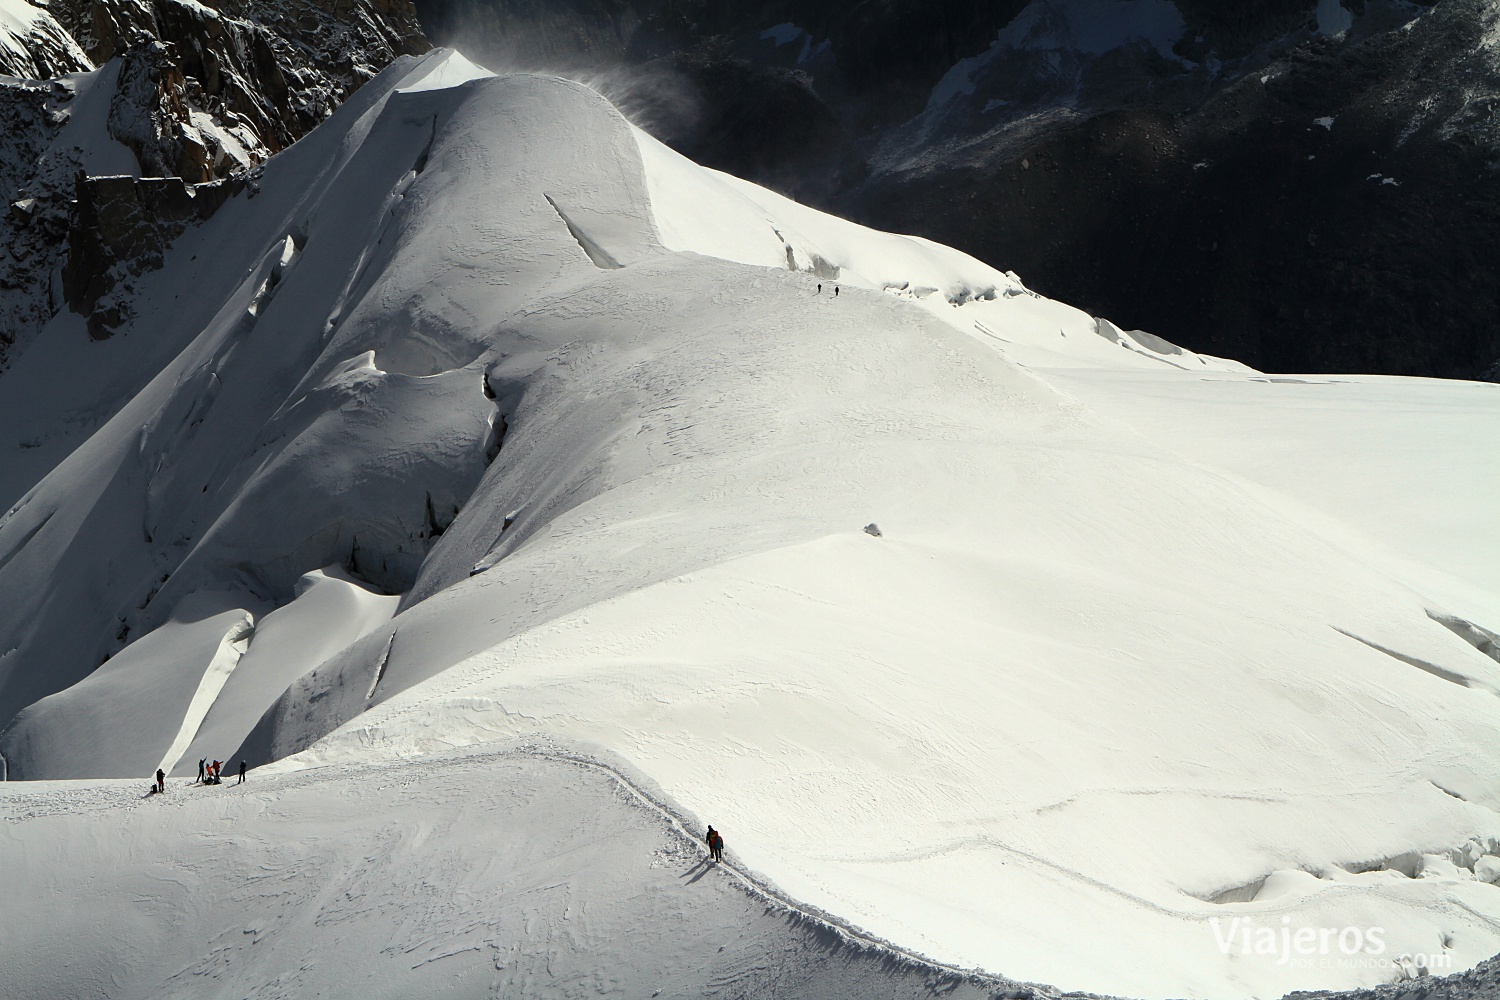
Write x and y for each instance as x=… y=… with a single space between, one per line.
x=34 y=46
x=185 y=92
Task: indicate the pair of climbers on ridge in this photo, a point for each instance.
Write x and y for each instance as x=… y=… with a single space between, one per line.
x=715 y=842
x=835 y=290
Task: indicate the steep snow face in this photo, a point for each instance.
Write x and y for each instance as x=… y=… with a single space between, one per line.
x=1009 y=635
x=137 y=711
x=329 y=611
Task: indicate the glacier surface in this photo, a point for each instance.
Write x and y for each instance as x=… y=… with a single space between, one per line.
x=485 y=421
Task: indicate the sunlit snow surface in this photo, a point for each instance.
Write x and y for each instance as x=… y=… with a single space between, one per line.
x=1145 y=639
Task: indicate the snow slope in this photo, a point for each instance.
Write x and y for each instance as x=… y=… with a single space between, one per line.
x=136 y=712
x=516 y=874
x=1407 y=484
x=1115 y=668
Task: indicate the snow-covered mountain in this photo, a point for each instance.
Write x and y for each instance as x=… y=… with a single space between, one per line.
x=511 y=493
x=1296 y=183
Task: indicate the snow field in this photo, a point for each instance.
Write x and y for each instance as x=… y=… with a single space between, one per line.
x=522 y=874
x=565 y=460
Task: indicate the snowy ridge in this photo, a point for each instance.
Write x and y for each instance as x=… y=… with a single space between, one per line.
x=506 y=425
x=641 y=789
x=612 y=881
x=759 y=227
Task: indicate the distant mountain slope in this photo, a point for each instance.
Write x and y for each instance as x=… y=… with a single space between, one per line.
x=484 y=417
x=1319 y=208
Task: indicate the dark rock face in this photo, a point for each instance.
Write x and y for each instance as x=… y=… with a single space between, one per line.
x=266 y=73
x=1330 y=210
x=120 y=230
x=150 y=115
x=1161 y=184
x=201 y=94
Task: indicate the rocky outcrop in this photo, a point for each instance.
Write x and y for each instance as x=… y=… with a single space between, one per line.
x=199 y=93
x=151 y=116
x=242 y=79
x=34 y=224
x=121 y=227
x=33 y=46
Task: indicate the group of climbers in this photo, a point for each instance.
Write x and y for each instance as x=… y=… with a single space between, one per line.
x=209 y=773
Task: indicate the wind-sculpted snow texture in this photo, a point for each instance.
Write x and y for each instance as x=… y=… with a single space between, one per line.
x=492 y=419
x=475 y=874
